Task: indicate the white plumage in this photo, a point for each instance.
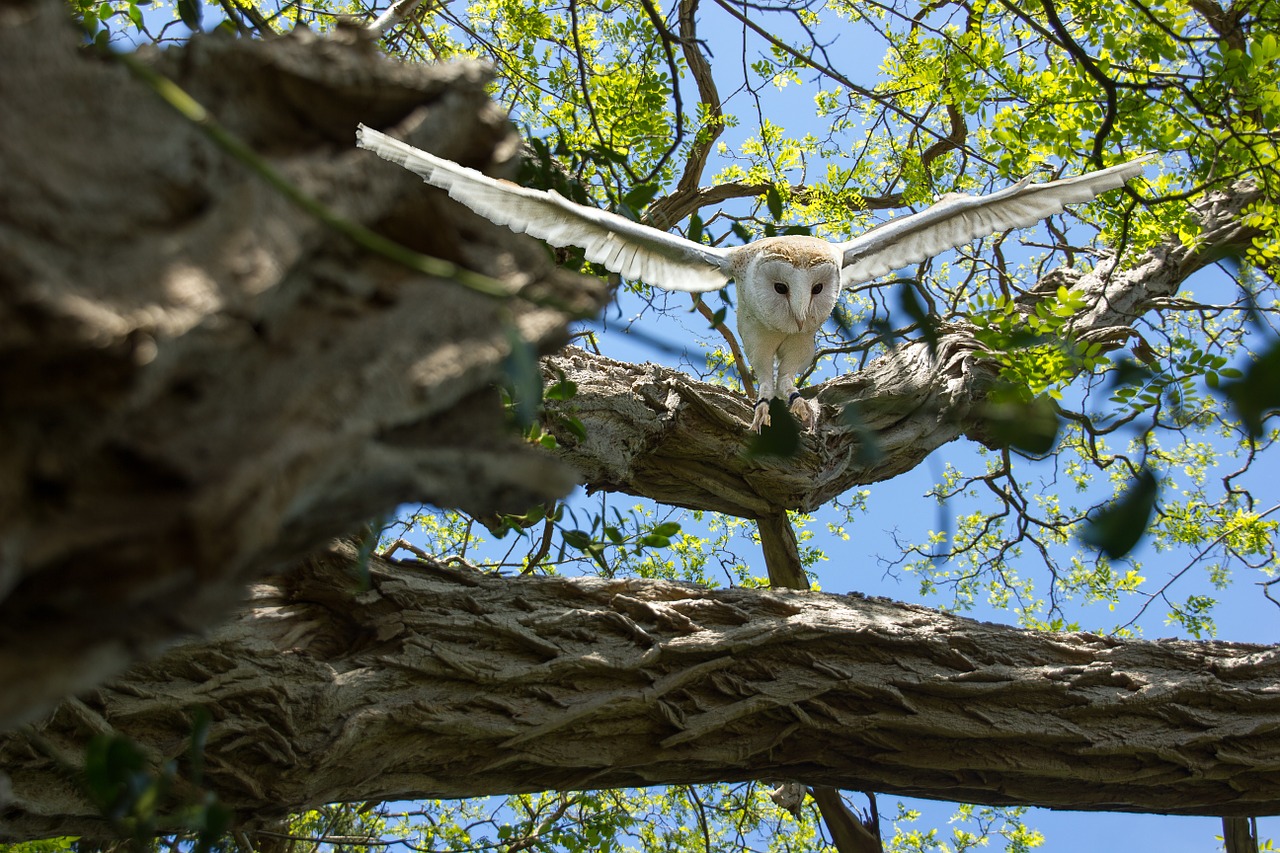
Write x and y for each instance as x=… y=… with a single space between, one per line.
x=787 y=286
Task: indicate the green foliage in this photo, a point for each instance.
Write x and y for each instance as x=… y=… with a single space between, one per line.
x=104 y=21
x=1177 y=387
x=1034 y=353
x=972 y=827
x=45 y=845
x=138 y=795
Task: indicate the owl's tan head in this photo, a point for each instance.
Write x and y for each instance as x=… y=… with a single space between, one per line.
x=799 y=251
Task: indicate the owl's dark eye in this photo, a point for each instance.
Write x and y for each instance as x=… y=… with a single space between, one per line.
x=817 y=288
x=780 y=287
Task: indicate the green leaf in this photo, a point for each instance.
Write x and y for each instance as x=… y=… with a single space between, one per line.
x=574 y=426
x=577 y=539
x=213 y=824
x=201 y=719
x=910 y=304
x=667 y=528
x=774 y=200
x=638 y=198
x=695 y=229
x=868 y=450
x=565 y=389
x=192 y=13
x=1120 y=525
x=596 y=551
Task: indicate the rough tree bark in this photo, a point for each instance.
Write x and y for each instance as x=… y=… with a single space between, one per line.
x=435 y=682
x=199 y=380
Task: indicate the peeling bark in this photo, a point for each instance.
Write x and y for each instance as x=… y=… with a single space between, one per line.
x=201 y=381
x=435 y=682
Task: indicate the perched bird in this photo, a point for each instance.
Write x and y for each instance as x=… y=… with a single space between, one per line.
x=787 y=286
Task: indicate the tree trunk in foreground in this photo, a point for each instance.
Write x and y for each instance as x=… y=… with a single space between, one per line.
x=202 y=382
x=448 y=683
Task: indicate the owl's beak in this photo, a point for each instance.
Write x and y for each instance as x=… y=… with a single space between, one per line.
x=798 y=312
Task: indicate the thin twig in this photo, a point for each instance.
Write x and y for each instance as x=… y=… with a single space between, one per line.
x=739 y=361
x=401 y=544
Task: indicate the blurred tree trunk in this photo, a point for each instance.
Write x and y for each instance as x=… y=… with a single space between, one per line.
x=200 y=381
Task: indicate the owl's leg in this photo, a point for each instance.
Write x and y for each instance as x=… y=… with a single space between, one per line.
x=760 y=345
x=794 y=357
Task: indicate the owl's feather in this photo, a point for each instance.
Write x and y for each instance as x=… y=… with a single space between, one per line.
x=787 y=286
x=634 y=251
x=958 y=218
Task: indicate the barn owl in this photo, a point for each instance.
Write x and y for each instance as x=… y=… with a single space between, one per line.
x=787 y=286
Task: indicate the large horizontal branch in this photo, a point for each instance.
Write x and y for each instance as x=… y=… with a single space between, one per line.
x=436 y=682
x=201 y=380
x=655 y=432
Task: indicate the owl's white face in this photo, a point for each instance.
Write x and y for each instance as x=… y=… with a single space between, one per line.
x=791 y=284
x=796 y=300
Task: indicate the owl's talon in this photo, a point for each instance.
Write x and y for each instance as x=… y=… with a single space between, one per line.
x=760 y=419
x=805 y=411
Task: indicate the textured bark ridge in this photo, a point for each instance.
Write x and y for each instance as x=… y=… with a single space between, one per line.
x=199 y=380
x=655 y=432
x=435 y=682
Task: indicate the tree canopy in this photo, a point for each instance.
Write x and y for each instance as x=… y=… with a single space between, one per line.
x=1110 y=378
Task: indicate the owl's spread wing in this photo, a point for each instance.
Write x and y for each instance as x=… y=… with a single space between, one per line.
x=632 y=250
x=958 y=218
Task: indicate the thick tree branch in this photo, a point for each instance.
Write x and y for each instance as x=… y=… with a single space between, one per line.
x=434 y=682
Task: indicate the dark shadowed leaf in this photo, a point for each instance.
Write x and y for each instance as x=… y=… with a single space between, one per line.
x=577 y=539
x=192 y=13
x=774 y=200
x=910 y=304
x=695 y=228
x=524 y=379
x=781 y=437
x=868 y=451
x=1119 y=526
x=1257 y=394
x=1027 y=425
